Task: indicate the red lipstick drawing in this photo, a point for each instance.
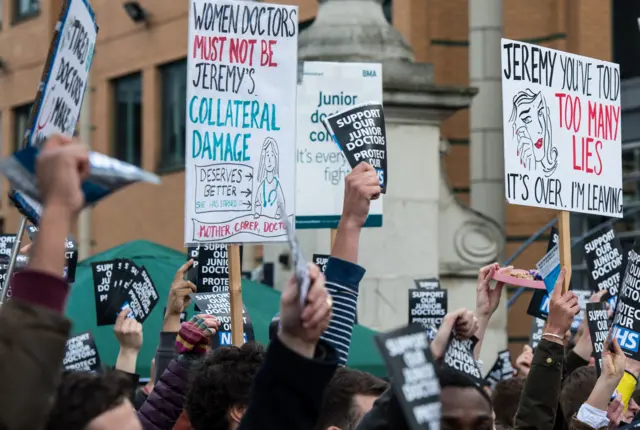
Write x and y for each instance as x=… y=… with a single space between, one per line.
x=538 y=143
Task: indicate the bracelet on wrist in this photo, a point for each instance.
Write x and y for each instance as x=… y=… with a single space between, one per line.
x=557 y=336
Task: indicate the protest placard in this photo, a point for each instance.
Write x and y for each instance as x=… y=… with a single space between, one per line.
x=562 y=140
x=326 y=88
x=241 y=108
x=410 y=366
x=501 y=370
x=213 y=268
x=6 y=243
x=81 y=354
x=539 y=304
x=428 y=283
x=361 y=134
x=218 y=305
x=427 y=307
x=549 y=268
x=321 y=261
x=56 y=108
x=459 y=357
x=535 y=336
x=626 y=321
x=598 y=325
x=604 y=258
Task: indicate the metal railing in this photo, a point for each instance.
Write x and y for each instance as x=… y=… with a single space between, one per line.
x=574 y=242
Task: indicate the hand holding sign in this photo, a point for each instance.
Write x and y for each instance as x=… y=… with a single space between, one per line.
x=465 y=324
x=360 y=187
x=128 y=331
x=562 y=310
x=301 y=327
x=487 y=299
x=60 y=168
x=524 y=360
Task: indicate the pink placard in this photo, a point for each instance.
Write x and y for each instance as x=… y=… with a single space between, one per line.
x=519 y=282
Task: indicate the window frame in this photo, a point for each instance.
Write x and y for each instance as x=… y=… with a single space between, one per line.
x=166 y=163
x=19 y=16
x=16 y=112
x=128 y=87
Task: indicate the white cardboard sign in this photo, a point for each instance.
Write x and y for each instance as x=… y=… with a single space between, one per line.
x=241 y=107
x=63 y=85
x=324 y=89
x=562 y=131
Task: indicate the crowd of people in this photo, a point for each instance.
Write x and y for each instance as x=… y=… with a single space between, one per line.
x=298 y=381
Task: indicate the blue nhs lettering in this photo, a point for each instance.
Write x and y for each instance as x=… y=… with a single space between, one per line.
x=369 y=73
x=380 y=173
x=628 y=340
x=225 y=338
x=544 y=306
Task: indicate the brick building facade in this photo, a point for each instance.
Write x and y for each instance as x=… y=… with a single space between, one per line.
x=138 y=92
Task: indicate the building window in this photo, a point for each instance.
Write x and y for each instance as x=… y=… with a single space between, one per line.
x=20 y=123
x=174 y=104
x=128 y=118
x=626 y=36
x=25 y=9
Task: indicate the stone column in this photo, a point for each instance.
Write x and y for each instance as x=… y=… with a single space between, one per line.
x=487 y=155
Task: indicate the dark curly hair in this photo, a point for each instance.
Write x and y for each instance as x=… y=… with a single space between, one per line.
x=83 y=396
x=222 y=380
x=338 y=407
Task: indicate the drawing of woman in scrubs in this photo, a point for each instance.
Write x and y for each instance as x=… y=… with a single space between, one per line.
x=269 y=191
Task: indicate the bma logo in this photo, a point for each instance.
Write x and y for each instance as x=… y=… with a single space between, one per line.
x=225 y=338
x=369 y=74
x=628 y=340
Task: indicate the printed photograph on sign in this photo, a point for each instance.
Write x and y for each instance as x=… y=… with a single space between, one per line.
x=240 y=134
x=324 y=89
x=562 y=130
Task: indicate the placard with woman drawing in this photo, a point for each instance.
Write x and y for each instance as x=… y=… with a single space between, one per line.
x=562 y=131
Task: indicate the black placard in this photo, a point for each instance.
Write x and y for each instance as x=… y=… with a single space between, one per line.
x=121 y=284
x=360 y=133
x=535 y=336
x=583 y=298
x=427 y=307
x=539 y=304
x=428 y=283
x=459 y=357
x=192 y=273
x=321 y=261
x=604 y=258
x=81 y=354
x=598 y=323
x=213 y=268
x=70 y=255
x=626 y=324
x=218 y=305
x=6 y=244
x=502 y=369
x=410 y=366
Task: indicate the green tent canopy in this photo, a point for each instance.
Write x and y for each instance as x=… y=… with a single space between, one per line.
x=161 y=262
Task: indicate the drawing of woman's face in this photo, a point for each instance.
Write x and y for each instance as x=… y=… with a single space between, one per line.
x=269 y=159
x=532 y=125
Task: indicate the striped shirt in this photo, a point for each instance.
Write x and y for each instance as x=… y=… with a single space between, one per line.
x=343 y=281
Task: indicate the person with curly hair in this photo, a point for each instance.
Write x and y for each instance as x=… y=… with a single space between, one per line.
x=220 y=387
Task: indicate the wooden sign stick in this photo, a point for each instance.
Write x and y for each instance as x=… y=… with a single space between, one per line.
x=235 y=295
x=564 y=246
x=334 y=232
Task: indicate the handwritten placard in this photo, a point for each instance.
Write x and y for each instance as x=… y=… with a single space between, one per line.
x=241 y=110
x=562 y=138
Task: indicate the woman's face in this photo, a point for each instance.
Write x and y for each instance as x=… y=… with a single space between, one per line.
x=270 y=159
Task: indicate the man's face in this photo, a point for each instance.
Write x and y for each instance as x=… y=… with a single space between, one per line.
x=122 y=417
x=531 y=126
x=464 y=408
